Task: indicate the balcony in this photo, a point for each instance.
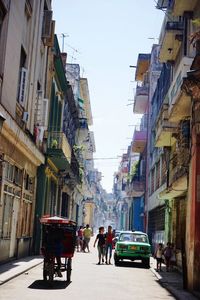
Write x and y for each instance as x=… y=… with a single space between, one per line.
x=179 y=101
x=136 y=188
x=75 y=173
x=143 y=63
x=164 y=4
x=141 y=99
x=165 y=129
x=139 y=140
x=179 y=7
x=170 y=38
x=59 y=150
x=177 y=183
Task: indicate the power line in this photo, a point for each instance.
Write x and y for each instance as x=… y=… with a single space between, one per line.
x=106 y=158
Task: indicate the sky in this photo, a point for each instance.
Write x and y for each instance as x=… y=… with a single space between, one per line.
x=105 y=38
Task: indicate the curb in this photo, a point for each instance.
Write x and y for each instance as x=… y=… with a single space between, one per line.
x=20 y=273
x=177 y=293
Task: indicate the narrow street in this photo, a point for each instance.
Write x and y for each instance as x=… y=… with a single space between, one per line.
x=89 y=281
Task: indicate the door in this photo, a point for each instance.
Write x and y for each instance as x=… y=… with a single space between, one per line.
x=65 y=205
x=13 y=239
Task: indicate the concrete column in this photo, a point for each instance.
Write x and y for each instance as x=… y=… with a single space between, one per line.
x=193 y=213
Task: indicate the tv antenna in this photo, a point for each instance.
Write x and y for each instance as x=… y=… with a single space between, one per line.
x=63 y=36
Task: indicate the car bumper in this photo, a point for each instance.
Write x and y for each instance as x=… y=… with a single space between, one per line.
x=135 y=256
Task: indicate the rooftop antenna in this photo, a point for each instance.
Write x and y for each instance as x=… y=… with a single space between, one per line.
x=63 y=35
x=73 y=52
x=83 y=71
x=153 y=38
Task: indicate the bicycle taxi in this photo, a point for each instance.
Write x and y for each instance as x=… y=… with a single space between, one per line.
x=58 y=245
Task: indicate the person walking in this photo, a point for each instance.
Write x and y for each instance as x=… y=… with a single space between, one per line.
x=109 y=244
x=158 y=256
x=80 y=239
x=101 y=244
x=168 y=255
x=87 y=233
x=173 y=257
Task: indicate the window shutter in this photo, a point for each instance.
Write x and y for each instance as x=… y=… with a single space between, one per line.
x=44 y=118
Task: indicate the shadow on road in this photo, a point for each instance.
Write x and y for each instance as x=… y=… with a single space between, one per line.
x=130 y=264
x=45 y=285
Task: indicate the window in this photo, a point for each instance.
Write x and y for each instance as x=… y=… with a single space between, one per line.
x=9 y=172
x=2 y=15
x=28 y=183
x=22 y=78
x=158 y=175
x=152 y=181
x=164 y=170
x=26 y=217
x=7 y=215
x=18 y=176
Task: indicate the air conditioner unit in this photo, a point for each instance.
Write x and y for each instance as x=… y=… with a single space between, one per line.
x=22 y=86
x=46 y=26
x=25 y=117
x=50 y=41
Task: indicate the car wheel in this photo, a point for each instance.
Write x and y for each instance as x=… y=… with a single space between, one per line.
x=116 y=259
x=146 y=262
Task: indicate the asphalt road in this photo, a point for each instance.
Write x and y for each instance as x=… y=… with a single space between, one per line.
x=90 y=281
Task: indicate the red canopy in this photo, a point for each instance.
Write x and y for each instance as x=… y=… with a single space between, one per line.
x=56 y=220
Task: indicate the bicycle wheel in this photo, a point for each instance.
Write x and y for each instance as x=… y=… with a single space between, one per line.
x=69 y=269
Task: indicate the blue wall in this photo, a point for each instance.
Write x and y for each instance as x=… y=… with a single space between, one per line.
x=137 y=210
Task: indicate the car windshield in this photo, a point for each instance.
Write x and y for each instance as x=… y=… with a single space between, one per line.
x=133 y=237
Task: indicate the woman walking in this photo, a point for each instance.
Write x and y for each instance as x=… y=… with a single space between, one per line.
x=101 y=245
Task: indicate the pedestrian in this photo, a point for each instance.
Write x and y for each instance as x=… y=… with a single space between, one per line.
x=159 y=256
x=168 y=255
x=109 y=244
x=80 y=239
x=101 y=244
x=173 y=257
x=87 y=233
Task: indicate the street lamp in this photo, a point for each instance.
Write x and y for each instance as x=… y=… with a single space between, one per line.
x=2 y=119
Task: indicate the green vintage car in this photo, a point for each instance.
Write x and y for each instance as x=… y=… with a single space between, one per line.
x=133 y=245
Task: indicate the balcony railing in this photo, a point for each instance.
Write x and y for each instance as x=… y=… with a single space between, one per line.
x=170 y=45
x=139 y=141
x=136 y=188
x=165 y=129
x=75 y=168
x=141 y=99
x=142 y=66
x=164 y=4
x=177 y=169
x=59 y=149
x=162 y=88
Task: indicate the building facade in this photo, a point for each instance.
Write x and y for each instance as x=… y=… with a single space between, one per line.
x=21 y=73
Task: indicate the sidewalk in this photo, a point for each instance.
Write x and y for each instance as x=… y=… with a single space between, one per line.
x=172 y=281
x=16 y=267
